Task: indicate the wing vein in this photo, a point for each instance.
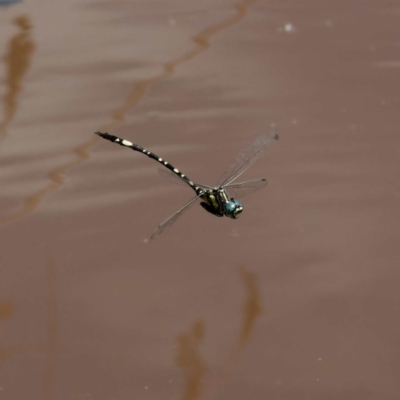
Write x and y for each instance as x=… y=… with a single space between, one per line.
x=247 y=157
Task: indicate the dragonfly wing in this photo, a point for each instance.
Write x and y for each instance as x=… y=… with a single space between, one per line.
x=247 y=157
x=172 y=177
x=239 y=190
x=168 y=222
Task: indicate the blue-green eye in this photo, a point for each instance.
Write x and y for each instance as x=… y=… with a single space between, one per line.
x=230 y=207
x=233 y=209
x=238 y=204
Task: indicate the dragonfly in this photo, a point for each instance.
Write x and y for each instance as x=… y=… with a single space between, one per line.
x=220 y=200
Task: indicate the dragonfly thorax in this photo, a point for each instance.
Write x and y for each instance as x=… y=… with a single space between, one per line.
x=217 y=202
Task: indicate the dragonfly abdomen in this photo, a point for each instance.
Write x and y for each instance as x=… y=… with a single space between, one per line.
x=135 y=147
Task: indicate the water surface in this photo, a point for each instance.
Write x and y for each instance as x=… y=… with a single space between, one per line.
x=298 y=298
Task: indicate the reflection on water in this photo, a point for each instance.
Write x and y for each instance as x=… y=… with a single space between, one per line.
x=252 y=306
x=189 y=358
x=18 y=60
x=190 y=361
x=251 y=311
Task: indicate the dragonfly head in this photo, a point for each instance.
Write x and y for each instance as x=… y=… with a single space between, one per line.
x=233 y=209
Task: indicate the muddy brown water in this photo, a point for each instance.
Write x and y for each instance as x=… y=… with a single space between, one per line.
x=298 y=299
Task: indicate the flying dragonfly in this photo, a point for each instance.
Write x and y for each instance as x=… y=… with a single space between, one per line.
x=220 y=200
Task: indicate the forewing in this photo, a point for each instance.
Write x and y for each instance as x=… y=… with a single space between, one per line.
x=168 y=222
x=247 y=157
x=170 y=176
x=239 y=190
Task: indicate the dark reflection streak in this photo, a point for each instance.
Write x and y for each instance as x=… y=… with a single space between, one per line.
x=190 y=361
x=251 y=311
x=6 y=310
x=52 y=333
x=18 y=59
x=252 y=307
x=56 y=176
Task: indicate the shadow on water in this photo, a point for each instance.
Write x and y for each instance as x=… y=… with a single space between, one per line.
x=57 y=175
x=17 y=61
x=189 y=358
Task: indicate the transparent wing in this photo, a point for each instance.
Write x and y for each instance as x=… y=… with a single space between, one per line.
x=170 y=176
x=239 y=190
x=168 y=222
x=247 y=157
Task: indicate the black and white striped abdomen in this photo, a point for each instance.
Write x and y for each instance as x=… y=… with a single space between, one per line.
x=135 y=147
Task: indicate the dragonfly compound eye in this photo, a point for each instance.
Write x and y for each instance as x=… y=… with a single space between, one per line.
x=233 y=209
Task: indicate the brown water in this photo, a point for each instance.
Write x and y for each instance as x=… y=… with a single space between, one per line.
x=298 y=299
